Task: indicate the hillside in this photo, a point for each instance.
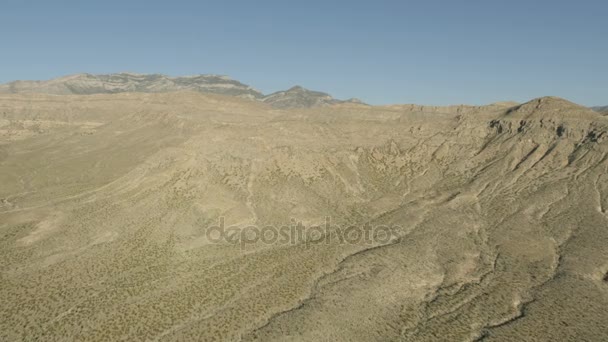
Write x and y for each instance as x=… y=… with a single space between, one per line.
x=462 y=223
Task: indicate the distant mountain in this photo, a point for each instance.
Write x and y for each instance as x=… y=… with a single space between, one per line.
x=299 y=97
x=603 y=110
x=88 y=84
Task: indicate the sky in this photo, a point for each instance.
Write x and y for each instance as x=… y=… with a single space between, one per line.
x=383 y=52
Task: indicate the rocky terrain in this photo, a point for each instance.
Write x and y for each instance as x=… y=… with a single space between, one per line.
x=498 y=220
x=87 y=84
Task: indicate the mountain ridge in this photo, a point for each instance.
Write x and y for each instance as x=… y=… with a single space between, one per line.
x=89 y=84
x=124 y=82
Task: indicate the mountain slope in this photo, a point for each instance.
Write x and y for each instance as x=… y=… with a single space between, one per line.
x=457 y=224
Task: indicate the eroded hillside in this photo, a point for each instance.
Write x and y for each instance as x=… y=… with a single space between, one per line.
x=498 y=218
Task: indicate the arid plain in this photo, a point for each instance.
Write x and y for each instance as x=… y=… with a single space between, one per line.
x=499 y=216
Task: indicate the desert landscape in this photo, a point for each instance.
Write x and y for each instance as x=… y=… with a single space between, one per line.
x=498 y=215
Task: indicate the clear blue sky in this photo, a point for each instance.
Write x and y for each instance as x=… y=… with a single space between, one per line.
x=428 y=52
